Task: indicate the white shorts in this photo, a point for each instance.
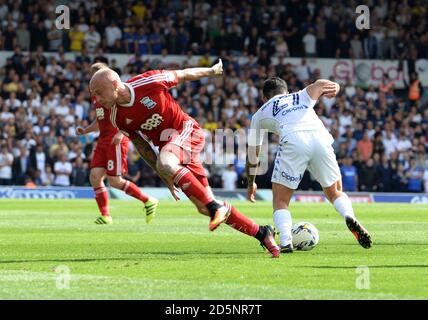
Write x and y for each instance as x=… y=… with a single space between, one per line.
x=303 y=150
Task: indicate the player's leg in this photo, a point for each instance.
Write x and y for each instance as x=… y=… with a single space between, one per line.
x=170 y=160
x=282 y=216
x=238 y=221
x=343 y=205
x=150 y=204
x=96 y=178
x=290 y=164
x=118 y=166
x=326 y=170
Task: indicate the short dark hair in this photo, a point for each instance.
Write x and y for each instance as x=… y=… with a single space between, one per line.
x=274 y=86
x=98 y=66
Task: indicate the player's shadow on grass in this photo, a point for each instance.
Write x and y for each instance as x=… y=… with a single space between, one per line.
x=136 y=257
x=374 y=267
x=389 y=244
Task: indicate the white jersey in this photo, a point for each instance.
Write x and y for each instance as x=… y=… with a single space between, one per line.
x=284 y=114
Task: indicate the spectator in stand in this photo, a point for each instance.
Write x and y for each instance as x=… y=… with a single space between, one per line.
x=80 y=173
x=426 y=180
x=403 y=144
x=134 y=168
x=368 y=178
x=62 y=169
x=142 y=44
x=365 y=147
x=23 y=36
x=92 y=39
x=76 y=38
x=400 y=181
x=6 y=161
x=310 y=43
x=229 y=178
x=47 y=177
x=384 y=173
x=415 y=89
x=248 y=37
x=112 y=34
x=414 y=175
x=349 y=175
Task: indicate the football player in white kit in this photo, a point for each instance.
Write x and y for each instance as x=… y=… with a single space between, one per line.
x=304 y=144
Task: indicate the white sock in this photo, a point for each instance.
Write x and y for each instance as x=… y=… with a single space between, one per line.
x=343 y=205
x=282 y=219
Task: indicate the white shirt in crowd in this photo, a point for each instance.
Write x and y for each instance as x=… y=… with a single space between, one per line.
x=79 y=111
x=60 y=168
x=92 y=40
x=6 y=115
x=345 y=120
x=328 y=102
x=112 y=34
x=62 y=110
x=302 y=72
x=13 y=104
x=6 y=165
x=372 y=96
x=390 y=145
x=350 y=91
x=310 y=43
x=403 y=145
x=229 y=178
x=41 y=161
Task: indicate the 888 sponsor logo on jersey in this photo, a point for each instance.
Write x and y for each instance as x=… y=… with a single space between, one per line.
x=152 y=123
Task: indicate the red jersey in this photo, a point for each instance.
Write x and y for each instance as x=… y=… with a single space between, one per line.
x=152 y=111
x=107 y=130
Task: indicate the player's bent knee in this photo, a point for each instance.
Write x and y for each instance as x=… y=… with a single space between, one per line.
x=115 y=181
x=95 y=178
x=166 y=167
x=333 y=192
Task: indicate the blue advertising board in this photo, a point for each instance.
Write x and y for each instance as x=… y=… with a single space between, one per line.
x=19 y=192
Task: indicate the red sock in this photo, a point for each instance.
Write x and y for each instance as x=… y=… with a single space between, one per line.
x=191 y=186
x=101 y=196
x=132 y=190
x=240 y=222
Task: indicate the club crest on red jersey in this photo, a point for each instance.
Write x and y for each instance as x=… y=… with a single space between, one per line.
x=149 y=103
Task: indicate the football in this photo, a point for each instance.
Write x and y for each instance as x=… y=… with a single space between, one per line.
x=305 y=236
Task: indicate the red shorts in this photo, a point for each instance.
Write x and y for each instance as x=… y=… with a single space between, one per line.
x=111 y=157
x=187 y=144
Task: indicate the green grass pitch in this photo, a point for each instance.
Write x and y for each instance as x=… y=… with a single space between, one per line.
x=176 y=257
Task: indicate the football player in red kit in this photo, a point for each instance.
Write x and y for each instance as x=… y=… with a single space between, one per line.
x=143 y=110
x=109 y=158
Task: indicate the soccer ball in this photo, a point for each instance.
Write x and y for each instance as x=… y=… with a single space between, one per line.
x=305 y=236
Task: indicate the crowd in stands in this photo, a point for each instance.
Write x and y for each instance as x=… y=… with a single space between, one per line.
x=322 y=28
x=381 y=133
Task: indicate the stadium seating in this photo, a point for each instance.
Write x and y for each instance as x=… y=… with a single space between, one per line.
x=382 y=131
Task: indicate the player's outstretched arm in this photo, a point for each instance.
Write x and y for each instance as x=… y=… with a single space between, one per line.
x=192 y=74
x=91 y=128
x=323 y=87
